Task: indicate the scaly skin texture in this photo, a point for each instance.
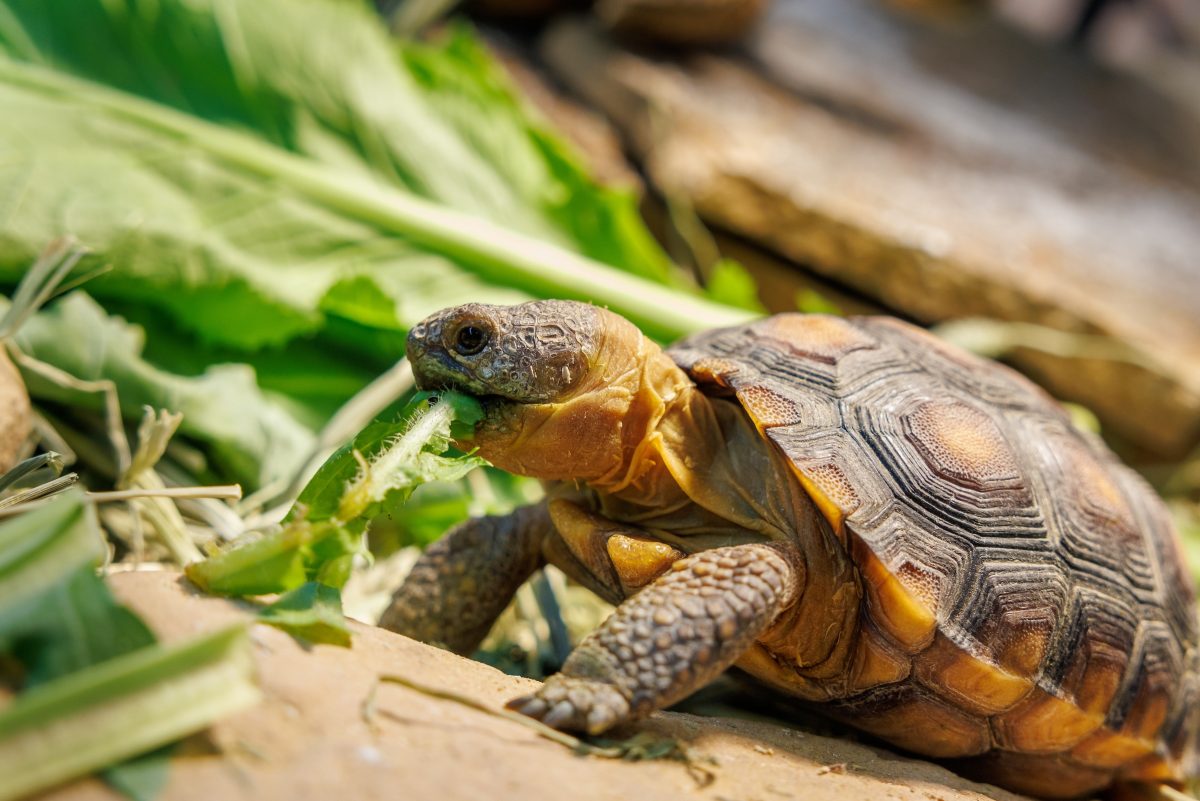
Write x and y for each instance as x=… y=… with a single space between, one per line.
x=462 y=583
x=670 y=639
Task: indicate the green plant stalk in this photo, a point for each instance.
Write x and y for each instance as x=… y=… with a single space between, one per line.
x=121 y=708
x=494 y=252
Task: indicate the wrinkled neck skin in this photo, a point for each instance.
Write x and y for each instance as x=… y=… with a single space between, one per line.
x=639 y=438
x=639 y=443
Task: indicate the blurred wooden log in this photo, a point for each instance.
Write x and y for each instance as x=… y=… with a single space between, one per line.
x=948 y=172
x=588 y=131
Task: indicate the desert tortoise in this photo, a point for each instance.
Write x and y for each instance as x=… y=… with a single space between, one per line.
x=852 y=511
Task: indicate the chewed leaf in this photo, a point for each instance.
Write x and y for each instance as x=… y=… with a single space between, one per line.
x=376 y=472
x=387 y=461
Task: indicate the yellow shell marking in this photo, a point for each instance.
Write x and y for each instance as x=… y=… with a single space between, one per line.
x=973 y=683
x=1106 y=749
x=930 y=727
x=893 y=607
x=768 y=409
x=1044 y=724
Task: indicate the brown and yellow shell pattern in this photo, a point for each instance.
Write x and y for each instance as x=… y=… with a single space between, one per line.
x=1026 y=604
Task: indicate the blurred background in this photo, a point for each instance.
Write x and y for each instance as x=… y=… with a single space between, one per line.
x=251 y=202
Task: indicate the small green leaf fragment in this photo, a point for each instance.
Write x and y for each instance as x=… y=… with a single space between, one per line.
x=75 y=625
x=141 y=778
x=312 y=612
x=277 y=562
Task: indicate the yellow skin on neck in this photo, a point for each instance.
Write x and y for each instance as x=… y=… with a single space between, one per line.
x=639 y=444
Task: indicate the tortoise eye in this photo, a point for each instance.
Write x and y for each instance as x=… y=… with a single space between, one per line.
x=470 y=339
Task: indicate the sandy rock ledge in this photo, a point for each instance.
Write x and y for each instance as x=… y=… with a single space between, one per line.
x=310 y=738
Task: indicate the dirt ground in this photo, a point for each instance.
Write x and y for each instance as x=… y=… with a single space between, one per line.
x=328 y=729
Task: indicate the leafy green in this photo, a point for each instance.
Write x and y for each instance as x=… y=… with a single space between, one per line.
x=312 y=612
x=257 y=169
x=810 y=301
x=249 y=436
x=468 y=88
x=122 y=707
x=56 y=615
x=382 y=466
x=322 y=534
x=74 y=626
x=58 y=618
x=276 y=562
x=730 y=282
x=435 y=507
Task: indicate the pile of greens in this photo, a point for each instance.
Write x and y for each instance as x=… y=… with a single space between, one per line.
x=266 y=196
x=281 y=185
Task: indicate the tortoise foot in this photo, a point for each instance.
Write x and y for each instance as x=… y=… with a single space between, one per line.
x=571 y=703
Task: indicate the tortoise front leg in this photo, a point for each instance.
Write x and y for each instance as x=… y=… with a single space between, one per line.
x=673 y=637
x=462 y=582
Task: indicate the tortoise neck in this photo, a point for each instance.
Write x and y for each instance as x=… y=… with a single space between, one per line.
x=698 y=465
x=665 y=411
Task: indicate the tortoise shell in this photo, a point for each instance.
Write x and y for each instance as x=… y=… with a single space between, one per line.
x=1026 y=602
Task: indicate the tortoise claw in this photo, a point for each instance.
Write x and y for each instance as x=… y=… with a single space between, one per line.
x=529 y=705
x=574 y=704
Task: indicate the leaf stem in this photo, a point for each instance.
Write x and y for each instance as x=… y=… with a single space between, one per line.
x=492 y=251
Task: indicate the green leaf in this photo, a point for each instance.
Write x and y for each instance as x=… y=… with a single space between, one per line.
x=729 y=282
x=473 y=93
x=275 y=562
x=312 y=612
x=123 y=707
x=811 y=301
x=40 y=551
x=56 y=615
x=434 y=508
x=322 y=495
x=249 y=436
x=258 y=169
x=322 y=533
x=387 y=460
x=74 y=626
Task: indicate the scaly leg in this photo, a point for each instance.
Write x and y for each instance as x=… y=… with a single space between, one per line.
x=462 y=582
x=671 y=638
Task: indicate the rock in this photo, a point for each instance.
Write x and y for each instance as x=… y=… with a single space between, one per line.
x=946 y=171
x=319 y=735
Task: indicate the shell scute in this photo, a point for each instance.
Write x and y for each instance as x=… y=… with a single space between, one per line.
x=816 y=336
x=1044 y=724
x=975 y=684
x=962 y=444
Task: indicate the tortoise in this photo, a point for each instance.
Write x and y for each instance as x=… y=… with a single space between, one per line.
x=855 y=513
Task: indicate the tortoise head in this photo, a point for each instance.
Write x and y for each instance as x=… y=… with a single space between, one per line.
x=564 y=385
